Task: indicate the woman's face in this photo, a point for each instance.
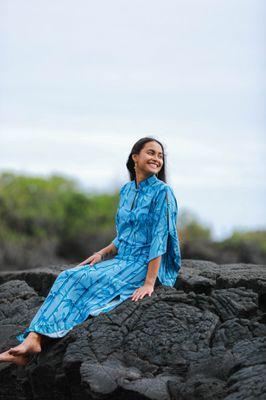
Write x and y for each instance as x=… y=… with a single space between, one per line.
x=150 y=158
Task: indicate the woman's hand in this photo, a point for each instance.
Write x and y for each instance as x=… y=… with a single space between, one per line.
x=96 y=257
x=142 y=291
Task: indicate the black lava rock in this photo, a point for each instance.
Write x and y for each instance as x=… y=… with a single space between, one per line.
x=203 y=339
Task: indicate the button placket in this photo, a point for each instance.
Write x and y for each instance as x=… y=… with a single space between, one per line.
x=133 y=203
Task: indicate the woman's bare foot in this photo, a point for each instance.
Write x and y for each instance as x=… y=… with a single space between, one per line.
x=19 y=360
x=32 y=344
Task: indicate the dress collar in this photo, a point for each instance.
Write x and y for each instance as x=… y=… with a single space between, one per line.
x=145 y=182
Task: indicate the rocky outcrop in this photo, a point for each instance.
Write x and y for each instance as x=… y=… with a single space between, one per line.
x=204 y=339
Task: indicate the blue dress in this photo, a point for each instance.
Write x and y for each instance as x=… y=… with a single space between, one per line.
x=146 y=228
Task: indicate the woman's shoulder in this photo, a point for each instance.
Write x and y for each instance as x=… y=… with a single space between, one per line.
x=125 y=187
x=159 y=187
x=163 y=190
x=163 y=187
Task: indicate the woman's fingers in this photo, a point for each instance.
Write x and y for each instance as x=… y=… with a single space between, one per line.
x=139 y=294
x=95 y=259
x=82 y=263
x=91 y=260
x=87 y=261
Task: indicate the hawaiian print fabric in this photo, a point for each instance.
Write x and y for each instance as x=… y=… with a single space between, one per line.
x=146 y=228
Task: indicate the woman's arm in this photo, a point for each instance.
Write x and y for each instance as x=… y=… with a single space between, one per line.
x=159 y=234
x=109 y=250
x=148 y=286
x=152 y=273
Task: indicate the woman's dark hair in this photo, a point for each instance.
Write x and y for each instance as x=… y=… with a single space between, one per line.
x=138 y=146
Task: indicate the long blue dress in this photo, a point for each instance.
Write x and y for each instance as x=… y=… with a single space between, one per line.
x=146 y=228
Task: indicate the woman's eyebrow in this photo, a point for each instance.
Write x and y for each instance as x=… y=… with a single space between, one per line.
x=154 y=150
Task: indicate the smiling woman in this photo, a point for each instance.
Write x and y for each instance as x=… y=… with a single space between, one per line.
x=146 y=246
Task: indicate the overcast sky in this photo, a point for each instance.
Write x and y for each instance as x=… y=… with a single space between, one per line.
x=81 y=81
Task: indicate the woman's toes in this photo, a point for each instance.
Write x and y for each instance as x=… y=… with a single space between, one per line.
x=23 y=349
x=18 y=350
x=13 y=351
x=10 y=351
x=19 y=360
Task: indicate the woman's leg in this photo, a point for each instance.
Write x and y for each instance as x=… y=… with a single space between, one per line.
x=19 y=354
x=32 y=341
x=67 y=304
x=64 y=307
x=19 y=360
x=50 y=319
x=32 y=344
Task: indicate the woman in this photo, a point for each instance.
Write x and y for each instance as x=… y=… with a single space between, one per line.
x=146 y=245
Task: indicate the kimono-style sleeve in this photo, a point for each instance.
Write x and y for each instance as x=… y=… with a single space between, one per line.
x=115 y=241
x=164 y=236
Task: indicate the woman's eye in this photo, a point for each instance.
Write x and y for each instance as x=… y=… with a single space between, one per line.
x=150 y=152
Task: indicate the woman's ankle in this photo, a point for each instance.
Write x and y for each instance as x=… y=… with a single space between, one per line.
x=35 y=335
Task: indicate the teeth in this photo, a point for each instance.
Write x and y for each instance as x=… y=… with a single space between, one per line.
x=153 y=164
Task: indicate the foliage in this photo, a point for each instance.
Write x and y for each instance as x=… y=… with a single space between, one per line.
x=54 y=218
x=35 y=209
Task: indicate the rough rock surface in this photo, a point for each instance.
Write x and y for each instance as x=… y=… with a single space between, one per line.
x=204 y=339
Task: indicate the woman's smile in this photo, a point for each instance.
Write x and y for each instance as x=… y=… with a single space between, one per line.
x=153 y=165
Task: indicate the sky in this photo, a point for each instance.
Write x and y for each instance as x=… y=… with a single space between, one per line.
x=82 y=81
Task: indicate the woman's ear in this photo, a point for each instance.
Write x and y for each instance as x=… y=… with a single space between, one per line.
x=135 y=157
